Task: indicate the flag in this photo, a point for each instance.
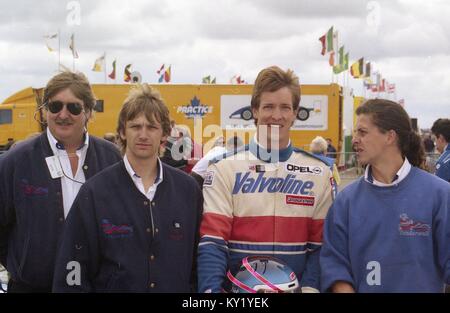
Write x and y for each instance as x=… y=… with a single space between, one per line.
x=339 y=68
x=330 y=39
x=160 y=69
x=47 y=41
x=368 y=70
x=323 y=41
x=160 y=72
x=127 y=73
x=206 y=80
x=382 y=87
x=98 y=65
x=331 y=59
x=390 y=88
x=367 y=83
x=167 y=74
x=357 y=68
x=72 y=47
x=113 y=73
x=346 y=61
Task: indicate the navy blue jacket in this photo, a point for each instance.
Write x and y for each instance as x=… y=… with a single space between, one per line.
x=125 y=243
x=31 y=207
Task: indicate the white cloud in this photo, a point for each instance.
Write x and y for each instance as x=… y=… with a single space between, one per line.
x=410 y=46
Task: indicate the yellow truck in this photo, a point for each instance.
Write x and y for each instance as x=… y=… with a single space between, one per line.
x=208 y=111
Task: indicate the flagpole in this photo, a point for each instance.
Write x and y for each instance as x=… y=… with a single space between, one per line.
x=73 y=54
x=59 y=50
x=105 y=66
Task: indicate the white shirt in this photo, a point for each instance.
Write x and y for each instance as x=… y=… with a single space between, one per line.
x=150 y=194
x=401 y=174
x=70 y=184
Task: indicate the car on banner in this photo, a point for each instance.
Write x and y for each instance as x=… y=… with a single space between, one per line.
x=246 y=113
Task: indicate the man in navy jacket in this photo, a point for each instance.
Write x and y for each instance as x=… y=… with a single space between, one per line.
x=39 y=179
x=133 y=227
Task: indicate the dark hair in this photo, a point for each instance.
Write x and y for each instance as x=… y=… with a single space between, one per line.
x=442 y=127
x=272 y=79
x=76 y=82
x=388 y=115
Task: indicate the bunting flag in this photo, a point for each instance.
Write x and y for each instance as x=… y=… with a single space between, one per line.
x=331 y=59
x=357 y=68
x=127 y=73
x=47 y=41
x=206 y=80
x=167 y=74
x=346 y=58
x=382 y=86
x=113 y=73
x=160 y=72
x=237 y=80
x=98 y=65
x=367 y=83
x=330 y=35
x=390 y=88
x=72 y=47
x=323 y=41
x=368 y=70
x=339 y=68
x=160 y=69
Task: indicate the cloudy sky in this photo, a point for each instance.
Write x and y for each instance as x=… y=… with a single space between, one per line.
x=407 y=41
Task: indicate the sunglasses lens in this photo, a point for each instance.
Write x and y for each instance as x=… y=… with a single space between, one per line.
x=55 y=106
x=74 y=108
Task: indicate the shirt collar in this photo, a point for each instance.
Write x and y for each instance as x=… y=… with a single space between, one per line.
x=132 y=173
x=267 y=155
x=56 y=145
x=401 y=174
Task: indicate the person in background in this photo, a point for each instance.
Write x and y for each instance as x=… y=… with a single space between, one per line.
x=441 y=129
x=428 y=144
x=219 y=149
x=41 y=177
x=389 y=231
x=331 y=150
x=111 y=137
x=318 y=147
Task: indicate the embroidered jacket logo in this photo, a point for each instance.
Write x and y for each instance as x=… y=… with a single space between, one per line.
x=409 y=227
x=246 y=184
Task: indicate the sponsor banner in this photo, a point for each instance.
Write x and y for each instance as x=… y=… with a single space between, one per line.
x=236 y=113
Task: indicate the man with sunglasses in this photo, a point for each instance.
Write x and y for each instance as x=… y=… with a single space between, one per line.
x=40 y=178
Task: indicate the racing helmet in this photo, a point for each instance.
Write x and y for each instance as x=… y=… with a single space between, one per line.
x=263 y=274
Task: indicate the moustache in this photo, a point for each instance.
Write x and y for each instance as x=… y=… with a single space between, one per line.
x=64 y=122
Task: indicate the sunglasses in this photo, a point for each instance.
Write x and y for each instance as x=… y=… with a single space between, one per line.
x=73 y=107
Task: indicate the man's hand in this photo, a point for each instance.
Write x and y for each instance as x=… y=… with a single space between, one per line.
x=342 y=287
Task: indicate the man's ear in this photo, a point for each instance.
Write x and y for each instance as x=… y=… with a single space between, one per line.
x=392 y=136
x=122 y=135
